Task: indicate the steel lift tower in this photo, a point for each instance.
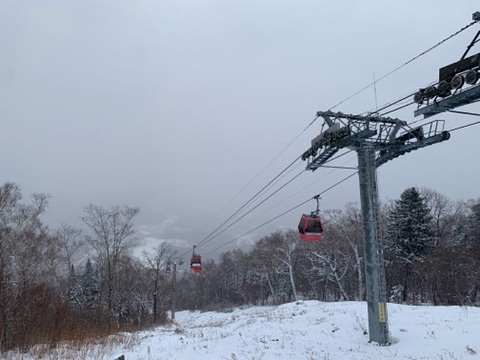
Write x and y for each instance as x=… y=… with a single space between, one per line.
x=376 y=141
x=380 y=139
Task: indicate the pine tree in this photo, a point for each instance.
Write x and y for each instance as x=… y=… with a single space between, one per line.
x=474 y=221
x=90 y=289
x=409 y=234
x=74 y=295
x=473 y=224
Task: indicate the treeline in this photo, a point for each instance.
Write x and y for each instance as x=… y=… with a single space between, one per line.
x=60 y=284
x=432 y=255
x=46 y=297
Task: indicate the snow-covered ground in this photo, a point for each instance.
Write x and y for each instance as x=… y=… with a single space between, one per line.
x=303 y=330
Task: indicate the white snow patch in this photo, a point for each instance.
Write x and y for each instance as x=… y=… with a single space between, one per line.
x=309 y=330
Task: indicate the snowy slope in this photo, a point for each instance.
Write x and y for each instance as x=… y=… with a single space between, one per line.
x=307 y=330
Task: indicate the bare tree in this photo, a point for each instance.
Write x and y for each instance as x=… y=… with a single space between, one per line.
x=345 y=227
x=23 y=248
x=275 y=258
x=113 y=237
x=10 y=196
x=157 y=262
x=287 y=255
x=445 y=212
x=337 y=264
x=70 y=243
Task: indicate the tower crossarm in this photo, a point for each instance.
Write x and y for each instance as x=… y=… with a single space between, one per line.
x=384 y=134
x=320 y=152
x=348 y=131
x=322 y=158
x=414 y=139
x=364 y=118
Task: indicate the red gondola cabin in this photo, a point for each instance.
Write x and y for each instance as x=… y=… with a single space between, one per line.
x=310 y=228
x=196 y=263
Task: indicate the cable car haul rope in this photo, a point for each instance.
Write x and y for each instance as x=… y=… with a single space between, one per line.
x=310 y=226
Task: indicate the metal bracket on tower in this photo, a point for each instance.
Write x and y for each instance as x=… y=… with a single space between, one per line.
x=457 y=84
x=414 y=139
x=464 y=97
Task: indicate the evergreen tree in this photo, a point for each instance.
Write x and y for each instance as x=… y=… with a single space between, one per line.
x=74 y=295
x=409 y=234
x=474 y=221
x=90 y=289
x=474 y=234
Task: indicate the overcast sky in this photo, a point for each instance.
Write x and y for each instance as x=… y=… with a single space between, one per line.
x=174 y=106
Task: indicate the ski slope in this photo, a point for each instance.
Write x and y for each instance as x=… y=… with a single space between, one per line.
x=302 y=330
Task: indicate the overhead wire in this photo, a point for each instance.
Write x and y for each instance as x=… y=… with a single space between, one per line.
x=265 y=167
x=464 y=112
x=277 y=156
x=218 y=230
x=282 y=214
x=327 y=174
x=314 y=182
x=271 y=195
x=327 y=189
x=431 y=84
x=280 y=179
x=272 y=184
x=378 y=110
x=410 y=94
x=257 y=227
x=395 y=70
x=211 y=235
x=384 y=107
x=323 y=177
x=321 y=193
x=213 y=232
x=262 y=171
x=259 y=173
x=404 y=64
x=254 y=208
x=466 y=125
x=326 y=166
x=397 y=108
x=246 y=203
x=267 y=198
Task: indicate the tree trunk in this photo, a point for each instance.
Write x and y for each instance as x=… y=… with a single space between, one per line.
x=292 y=281
x=274 y=295
x=405 y=282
